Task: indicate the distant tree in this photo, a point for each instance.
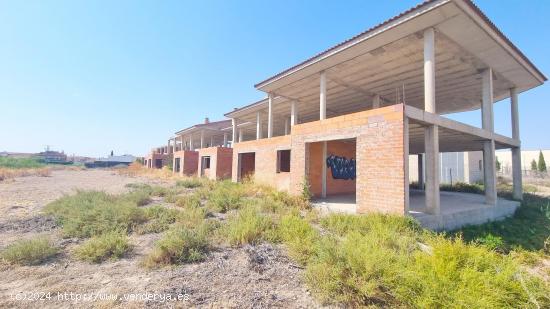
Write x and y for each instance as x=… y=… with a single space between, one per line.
x=497 y=164
x=534 y=165
x=112 y=153
x=542 y=163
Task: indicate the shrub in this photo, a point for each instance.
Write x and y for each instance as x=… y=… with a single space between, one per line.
x=463 y=187
x=111 y=245
x=189 y=201
x=299 y=236
x=20 y=163
x=248 y=226
x=226 y=195
x=459 y=275
x=159 y=219
x=29 y=251
x=90 y=213
x=179 y=245
x=189 y=183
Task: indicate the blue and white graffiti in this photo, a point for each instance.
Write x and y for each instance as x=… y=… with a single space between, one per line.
x=341 y=167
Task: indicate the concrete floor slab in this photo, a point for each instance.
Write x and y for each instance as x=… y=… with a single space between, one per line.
x=457 y=209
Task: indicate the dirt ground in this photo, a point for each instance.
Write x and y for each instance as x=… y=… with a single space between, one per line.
x=252 y=276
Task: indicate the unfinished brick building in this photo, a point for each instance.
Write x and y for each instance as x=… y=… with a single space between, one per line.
x=346 y=120
x=203 y=150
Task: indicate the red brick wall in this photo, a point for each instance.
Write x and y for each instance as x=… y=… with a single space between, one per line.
x=380 y=161
x=189 y=162
x=220 y=162
x=265 y=160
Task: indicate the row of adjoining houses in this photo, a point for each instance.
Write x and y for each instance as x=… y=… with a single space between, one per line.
x=346 y=120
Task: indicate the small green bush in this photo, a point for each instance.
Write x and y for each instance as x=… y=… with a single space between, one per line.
x=225 y=196
x=463 y=187
x=179 y=245
x=111 y=245
x=247 y=226
x=189 y=183
x=299 y=236
x=189 y=201
x=29 y=251
x=159 y=219
x=90 y=213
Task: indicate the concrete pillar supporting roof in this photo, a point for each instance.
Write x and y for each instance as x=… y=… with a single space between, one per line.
x=270 y=116
x=323 y=96
x=258 y=125
x=489 y=167
x=431 y=133
x=517 y=190
x=293 y=113
x=234 y=130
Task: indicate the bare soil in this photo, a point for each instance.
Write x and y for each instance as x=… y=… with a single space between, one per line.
x=252 y=276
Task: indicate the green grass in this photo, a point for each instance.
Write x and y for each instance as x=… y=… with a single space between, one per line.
x=17 y=163
x=528 y=229
x=225 y=196
x=190 y=183
x=248 y=226
x=29 y=251
x=180 y=245
x=299 y=236
x=159 y=219
x=111 y=245
x=92 y=213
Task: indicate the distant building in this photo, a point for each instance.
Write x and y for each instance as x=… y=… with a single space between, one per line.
x=111 y=161
x=50 y=156
x=453 y=167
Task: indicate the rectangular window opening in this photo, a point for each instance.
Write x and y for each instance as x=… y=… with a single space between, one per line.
x=283 y=161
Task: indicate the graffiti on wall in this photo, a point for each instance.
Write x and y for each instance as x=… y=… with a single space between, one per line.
x=341 y=167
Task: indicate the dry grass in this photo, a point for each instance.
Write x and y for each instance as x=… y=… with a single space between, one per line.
x=9 y=173
x=137 y=169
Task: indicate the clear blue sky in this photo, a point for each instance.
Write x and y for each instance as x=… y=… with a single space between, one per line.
x=89 y=77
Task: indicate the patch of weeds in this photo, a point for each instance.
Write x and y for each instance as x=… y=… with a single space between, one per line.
x=299 y=236
x=527 y=229
x=381 y=224
x=111 y=245
x=90 y=213
x=189 y=183
x=247 y=226
x=180 y=245
x=189 y=201
x=159 y=219
x=29 y=251
x=225 y=196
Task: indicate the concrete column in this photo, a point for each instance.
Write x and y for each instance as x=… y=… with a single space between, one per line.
x=324 y=171
x=431 y=136
x=376 y=101
x=420 y=172
x=191 y=143
x=202 y=139
x=293 y=113
x=517 y=191
x=182 y=143
x=270 y=116
x=234 y=130
x=323 y=96
x=431 y=133
x=286 y=126
x=211 y=141
x=258 y=125
x=429 y=70
x=225 y=140
x=240 y=135
x=489 y=167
